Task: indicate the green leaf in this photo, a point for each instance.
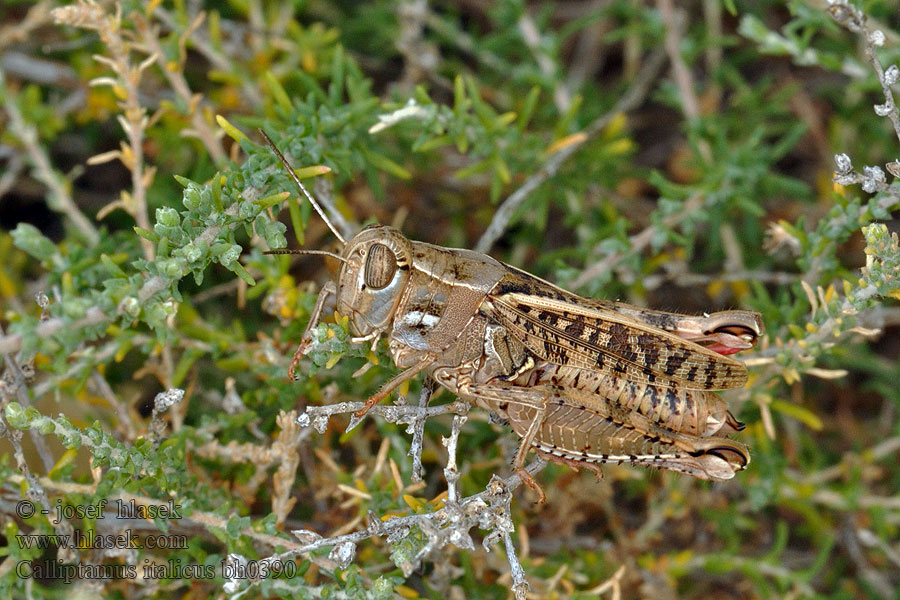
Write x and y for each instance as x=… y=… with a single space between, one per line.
x=272 y=200
x=280 y=96
x=28 y=238
x=296 y=219
x=241 y=272
x=527 y=110
x=383 y=163
x=804 y=415
x=232 y=131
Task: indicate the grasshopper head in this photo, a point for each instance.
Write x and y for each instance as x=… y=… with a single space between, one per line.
x=372 y=280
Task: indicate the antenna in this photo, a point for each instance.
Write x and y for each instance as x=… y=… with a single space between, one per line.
x=302 y=187
x=321 y=252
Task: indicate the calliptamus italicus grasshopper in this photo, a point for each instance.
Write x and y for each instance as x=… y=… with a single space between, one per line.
x=581 y=381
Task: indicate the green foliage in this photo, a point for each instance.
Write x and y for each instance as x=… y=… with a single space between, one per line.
x=435 y=117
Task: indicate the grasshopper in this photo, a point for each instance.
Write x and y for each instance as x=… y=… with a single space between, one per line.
x=581 y=381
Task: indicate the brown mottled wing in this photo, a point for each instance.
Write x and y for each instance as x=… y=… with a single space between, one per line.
x=556 y=328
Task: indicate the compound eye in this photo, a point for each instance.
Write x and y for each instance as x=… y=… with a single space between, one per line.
x=381 y=264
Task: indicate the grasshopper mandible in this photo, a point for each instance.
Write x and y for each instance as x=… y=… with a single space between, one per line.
x=581 y=381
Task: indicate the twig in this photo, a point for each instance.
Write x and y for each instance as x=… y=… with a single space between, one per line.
x=689 y=103
x=868 y=538
x=325 y=195
x=680 y=72
x=685 y=279
x=133 y=119
x=766 y=568
x=102 y=387
x=520 y=584
x=488 y=509
x=855 y=20
x=465 y=42
x=93 y=316
x=14 y=380
x=19 y=31
x=630 y=100
x=884 y=449
x=451 y=472
x=36 y=490
x=31 y=68
x=614 y=584
x=200 y=128
x=417 y=429
x=638 y=242
x=419 y=57
x=200 y=42
x=59 y=197
x=13 y=169
x=712 y=18
x=869 y=574
x=161 y=405
x=317 y=416
x=532 y=37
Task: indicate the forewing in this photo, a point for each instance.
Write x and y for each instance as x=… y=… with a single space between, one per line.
x=559 y=330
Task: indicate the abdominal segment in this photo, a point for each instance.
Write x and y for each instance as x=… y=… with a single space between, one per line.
x=579 y=427
x=692 y=412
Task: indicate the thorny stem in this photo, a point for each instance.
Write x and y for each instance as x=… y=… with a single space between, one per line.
x=630 y=100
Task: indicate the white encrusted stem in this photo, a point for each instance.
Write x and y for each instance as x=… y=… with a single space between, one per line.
x=520 y=584
x=451 y=472
x=400 y=413
x=417 y=429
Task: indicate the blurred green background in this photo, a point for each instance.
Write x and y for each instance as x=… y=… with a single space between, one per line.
x=692 y=156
